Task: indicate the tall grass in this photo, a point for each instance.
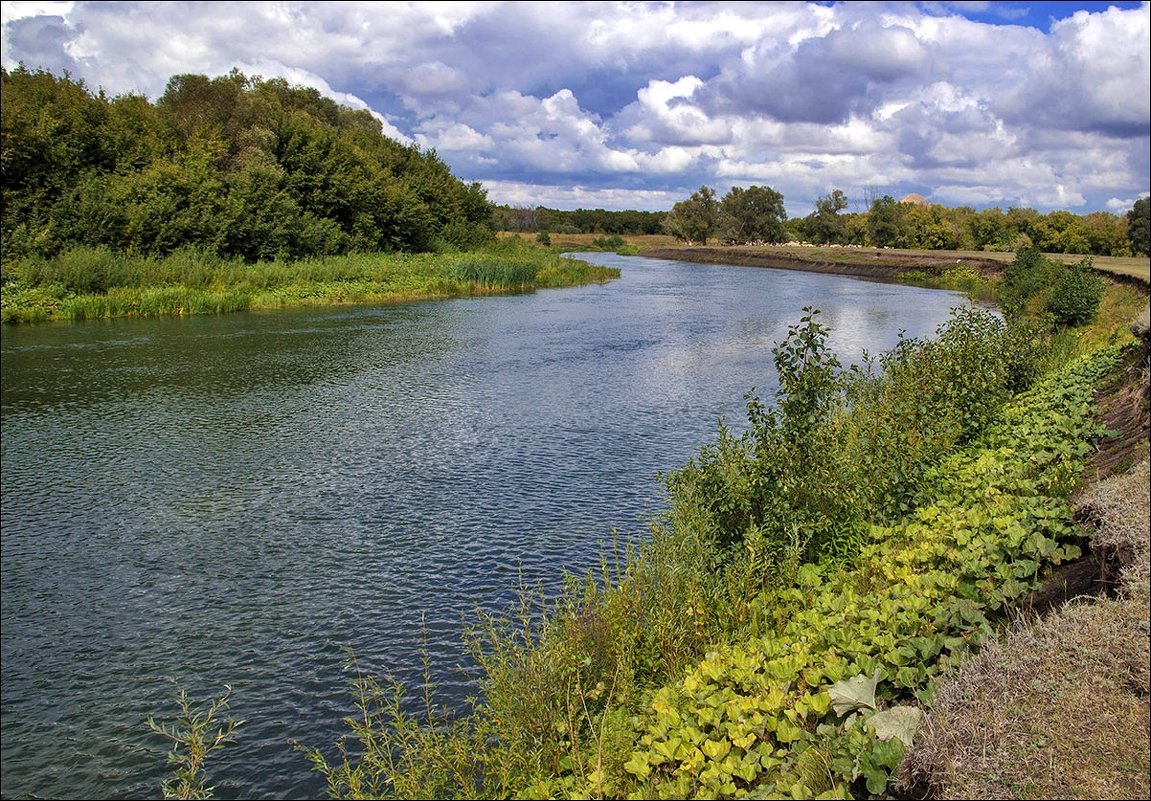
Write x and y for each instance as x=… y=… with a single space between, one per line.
x=561 y=682
x=89 y=283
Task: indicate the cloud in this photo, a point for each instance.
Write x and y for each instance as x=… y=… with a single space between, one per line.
x=1092 y=74
x=824 y=79
x=664 y=113
x=569 y=196
x=625 y=98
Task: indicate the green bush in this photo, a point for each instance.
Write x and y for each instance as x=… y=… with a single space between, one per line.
x=1076 y=295
x=841 y=447
x=1028 y=275
x=1068 y=294
x=613 y=243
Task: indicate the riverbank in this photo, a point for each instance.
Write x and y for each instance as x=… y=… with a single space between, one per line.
x=882 y=264
x=95 y=283
x=998 y=727
x=788 y=624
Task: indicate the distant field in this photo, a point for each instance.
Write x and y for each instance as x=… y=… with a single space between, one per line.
x=1139 y=267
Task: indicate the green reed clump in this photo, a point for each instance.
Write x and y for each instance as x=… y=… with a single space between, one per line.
x=495 y=271
x=94 y=283
x=196 y=733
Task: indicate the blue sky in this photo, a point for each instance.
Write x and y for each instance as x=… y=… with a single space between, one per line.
x=635 y=105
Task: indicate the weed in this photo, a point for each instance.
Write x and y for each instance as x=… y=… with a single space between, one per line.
x=195 y=734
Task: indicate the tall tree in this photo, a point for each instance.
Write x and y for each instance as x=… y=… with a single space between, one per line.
x=887 y=223
x=755 y=214
x=1139 y=226
x=695 y=219
x=825 y=226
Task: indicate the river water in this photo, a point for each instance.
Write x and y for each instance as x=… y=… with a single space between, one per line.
x=249 y=499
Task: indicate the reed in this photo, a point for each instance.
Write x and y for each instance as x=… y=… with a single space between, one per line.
x=95 y=283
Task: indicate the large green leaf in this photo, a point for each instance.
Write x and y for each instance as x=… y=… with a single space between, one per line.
x=853 y=694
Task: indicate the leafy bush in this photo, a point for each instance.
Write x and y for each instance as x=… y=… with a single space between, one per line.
x=613 y=243
x=782 y=488
x=1069 y=294
x=842 y=447
x=1028 y=275
x=1076 y=295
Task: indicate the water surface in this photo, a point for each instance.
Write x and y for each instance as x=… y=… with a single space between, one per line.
x=247 y=499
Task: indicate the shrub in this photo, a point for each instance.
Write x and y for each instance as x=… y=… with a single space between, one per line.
x=1036 y=286
x=1076 y=295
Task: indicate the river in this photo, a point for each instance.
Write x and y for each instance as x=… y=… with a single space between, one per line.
x=249 y=499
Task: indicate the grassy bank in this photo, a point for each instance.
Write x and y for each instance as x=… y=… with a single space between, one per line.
x=94 y=283
x=784 y=628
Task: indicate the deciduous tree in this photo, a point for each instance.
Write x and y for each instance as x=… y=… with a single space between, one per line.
x=695 y=219
x=1139 y=226
x=755 y=214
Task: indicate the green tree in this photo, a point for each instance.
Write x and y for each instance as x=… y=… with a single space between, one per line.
x=1106 y=234
x=1139 y=226
x=695 y=219
x=755 y=214
x=887 y=225
x=51 y=135
x=825 y=226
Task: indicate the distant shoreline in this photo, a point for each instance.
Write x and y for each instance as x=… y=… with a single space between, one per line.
x=862 y=262
x=873 y=263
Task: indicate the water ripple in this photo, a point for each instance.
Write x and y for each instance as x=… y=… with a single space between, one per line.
x=251 y=499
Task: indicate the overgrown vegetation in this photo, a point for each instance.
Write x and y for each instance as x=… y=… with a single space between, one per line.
x=237 y=166
x=791 y=612
x=1069 y=294
x=1057 y=707
x=93 y=283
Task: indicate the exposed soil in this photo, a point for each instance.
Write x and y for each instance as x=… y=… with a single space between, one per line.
x=862 y=262
x=881 y=265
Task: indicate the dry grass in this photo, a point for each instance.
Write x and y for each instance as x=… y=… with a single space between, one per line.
x=1058 y=708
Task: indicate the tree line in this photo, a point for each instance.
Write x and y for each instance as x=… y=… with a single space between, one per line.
x=235 y=165
x=757 y=214
x=540 y=219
